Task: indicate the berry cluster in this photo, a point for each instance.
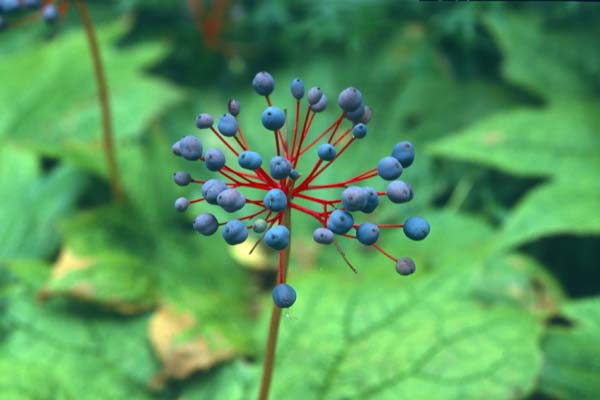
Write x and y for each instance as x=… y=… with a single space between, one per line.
x=47 y=10
x=283 y=186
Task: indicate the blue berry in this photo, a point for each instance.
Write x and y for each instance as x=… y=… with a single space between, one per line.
x=211 y=189
x=294 y=175
x=50 y=13
x=314 y=95
x=176 y=149
x=372 y=200
x=278 y=237
x=234 y=232
x=320 y=105
x=354 y=198
x=263 y=83
x=326 y=152
x=399 y=192
x=356 y=115
x=231 y=200
x=204 y=121
x=359 y=131
x=284 y=295
x=273 y=118
x=259 y=226
x=366 y=115
x=340 y=222
x=190 y=148
x=227 y=125
x=275 y=200
x=214 y=159
x=416 y=228
x=350 y=99
x=323 y=236
x=367 y=233
x=182 y=178
x=279 y=167
x=206 y=224
x=297 y=88
x=405 y=266
x=250 y=160
x=233 y=106
x=389 y=168
x=181 y=204
x=404 y=152
x=9 y=5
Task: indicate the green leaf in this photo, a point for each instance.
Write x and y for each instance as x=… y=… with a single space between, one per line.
x=542 y=57
x=562 y=207
x=32 y=203
x=62 y=69
x=390 y=340
x=571 y=353
x=53 y=349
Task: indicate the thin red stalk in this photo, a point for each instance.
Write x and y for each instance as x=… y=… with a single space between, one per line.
x=197 y=200
x=319 y=172
x=253 y=215
x=339 y=249
x=293 y=149
x=316 y=199
x=307 y=122
x=335 y=125
x=338 y=140
x=268 y=101
x=224 y=141
x=305 y=210
x=277 y=143
x=379 y=249
x=283 y=143
x=237 y=139
x=241 y=135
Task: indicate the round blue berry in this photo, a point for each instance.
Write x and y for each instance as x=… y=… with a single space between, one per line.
x=204 y=121
x=50 y=13
x=211 y=189
x=182 y=178
x=372 y=200
x=214 y=159
x=297 y=88
x=231 y=200
x=190 y=148
x=278 y=237
x=314 y=95
x=340 y=222
x=176 y=149
x=234 y=232
x=354 y=198
x=227 y=125
x=350 y=99
x=323 y=236
x=399 y=192
x=263 y=83
x=356 y=115
x=326 y=152
x=389 y=168
x=181 y=204
x=367 y=233
x=206 y=224
x=273 y=118
x=294 y=175
x=250 y=160
x=359 y=131
x=259 y=226
x=405 y=266
x=366 y=115
x=284 y=295
x=275 y=200
x=320 y=105
x=279 y=167
x=416 y=228
x=233 y=106
x=404 y=152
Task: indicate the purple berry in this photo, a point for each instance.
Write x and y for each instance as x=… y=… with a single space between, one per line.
x=263 y=83
x=206 y=224
x=350 y=99
x=182 y=178
x=214 y=159
x=190 y=148
x=399 y=192
x=314 y=95
x=181 y=204
x=323 y=236
x=405 y=266
x=233 y=106
x=231 y=200
x=389 y=168
x=354 y=198
x=204 y=121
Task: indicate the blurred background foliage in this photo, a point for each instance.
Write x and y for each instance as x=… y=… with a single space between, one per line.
x=100 y=300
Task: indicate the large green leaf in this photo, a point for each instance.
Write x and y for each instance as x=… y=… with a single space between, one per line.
x=32 y=203
x=51 y=350
x=58 y=112
x=572 y=352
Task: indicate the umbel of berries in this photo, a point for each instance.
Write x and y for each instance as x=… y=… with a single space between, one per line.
x=342 y=211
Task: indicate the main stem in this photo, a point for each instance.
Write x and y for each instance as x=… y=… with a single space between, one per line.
x=107 y=134
x=265 y=382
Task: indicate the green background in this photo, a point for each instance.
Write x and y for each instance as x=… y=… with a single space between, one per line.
x=108 y=300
